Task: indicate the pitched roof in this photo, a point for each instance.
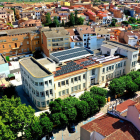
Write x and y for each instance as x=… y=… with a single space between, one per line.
x=108 y=124
x=123 y=106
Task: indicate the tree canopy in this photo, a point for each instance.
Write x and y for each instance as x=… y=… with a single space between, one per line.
x=48 y=19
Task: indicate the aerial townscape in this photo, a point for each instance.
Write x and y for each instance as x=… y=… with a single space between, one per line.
x=70 y=70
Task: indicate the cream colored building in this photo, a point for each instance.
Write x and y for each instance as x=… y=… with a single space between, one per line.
x=55 y=39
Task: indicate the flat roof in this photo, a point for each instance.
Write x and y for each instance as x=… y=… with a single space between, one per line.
x=101 y=31
x=55 y=32
x=44 y=61
x=120 y=45
x=2 y=59
x=19 y=31
x=34 y=67
x=71 y=54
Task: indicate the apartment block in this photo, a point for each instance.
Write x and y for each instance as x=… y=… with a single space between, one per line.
x=37 y=81
x=55 y=39
x=18 y=41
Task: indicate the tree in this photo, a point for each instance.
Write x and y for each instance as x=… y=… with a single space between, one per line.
x=37 y=54
x=46 y=124
x=137 y=81
x=125 y=22
x=15 y=115
x=92 y=105
x=115 y=20
x=117 y=86
x=132 y=20
x=34 y=129
x=76 y=18
x=98 y=91
x=59 y=119
x=55 y=21
x=82 y=110
x=113 y=23
x=63 y=24
x=72 y=20
x=138 y=22
x=101 y=101
x=85 y=96
x=71 y=101
x=48 y=19
x=131 y=87
x=134 y=74
x=80 y=21
x=56 y=106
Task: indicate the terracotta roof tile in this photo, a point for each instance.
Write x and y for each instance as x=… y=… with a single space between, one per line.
x=107 y=124
x=123 y=106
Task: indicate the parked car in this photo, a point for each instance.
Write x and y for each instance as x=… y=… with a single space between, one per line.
x=48 y=137
x=71 y=128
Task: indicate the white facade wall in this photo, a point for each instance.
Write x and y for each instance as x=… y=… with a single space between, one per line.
x=4 y=70
x=42 y=94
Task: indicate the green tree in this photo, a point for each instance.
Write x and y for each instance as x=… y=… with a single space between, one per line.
x=56 y=106
x=117 y=86
x=98 y=91
x=137 y=81
x=48 y=19
x=82 y=108
x=132 y=20
x=80 y=21
x=76 y=18
x=72 y=20
x=15 y=115
x=70 y=101
x=131 y=87
x=138 y=22
x=85 y=96
x=59 y=119
x=34 y=129
x=63 y=24
x=101 y=101
x=134 y=74
x=46 y=124
x=55 y=21
x=125 y=22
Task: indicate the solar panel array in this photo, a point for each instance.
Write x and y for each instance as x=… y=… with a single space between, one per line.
x=86 y=63
x=70 y=53
x=70 y=67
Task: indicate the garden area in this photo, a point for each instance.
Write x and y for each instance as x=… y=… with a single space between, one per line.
x=17 y=117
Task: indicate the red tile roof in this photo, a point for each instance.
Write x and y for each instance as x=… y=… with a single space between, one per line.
x=123 y=106
x=117 y=135
x=108 y=124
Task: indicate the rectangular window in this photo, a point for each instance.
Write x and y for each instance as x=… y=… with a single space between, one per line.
x=42 y=94
x=75 y=88
x=102 y=78
x=106 y=68
x=66 y=43
x=112 y=67
x=43 y=104
x=10 y=46
x=79 y=77
x=37 y=93
x=75 y=79
x=67 y=91
x=71 y=80
x=63 y=83
x=59 y=93
x=51 y=91
x=79 y=87
x=109 y=67
x=84 y=85
x=51 y=100
x=124 y=63
x=63 y=92
x=120 y=72
x=66 y=38
x=36 y=83
x=48 y=102
x=84 y=76
x=47 y=93
x=121 y=64
x=38 y=103
x=3 y=46
x=116 y=66
x=103 y=70
x=108 y=53
x=67 y=82
x=13 y=39
x=41 y=84
x=27 y=42
x=46 y=83
x=123 y=71
x=50 y=82
x=72 y=89
x=59 y=84
x=132 y=64
x=93 y=71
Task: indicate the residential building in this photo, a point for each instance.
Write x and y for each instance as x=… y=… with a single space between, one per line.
x=109 y=127
x=18 y=41
x=38 y=81
x=4 y=67
x=55 y=39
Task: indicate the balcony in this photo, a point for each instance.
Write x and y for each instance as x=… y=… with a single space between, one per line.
x=57 y=40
